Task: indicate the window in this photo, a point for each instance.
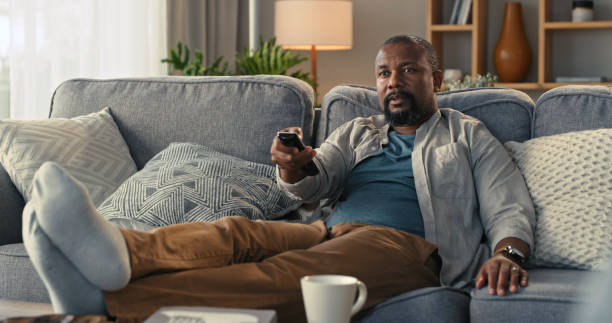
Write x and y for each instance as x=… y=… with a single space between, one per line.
x=4 y=68
x=50 y=42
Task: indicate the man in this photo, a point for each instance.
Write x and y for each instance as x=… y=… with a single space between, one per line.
x=401 y=183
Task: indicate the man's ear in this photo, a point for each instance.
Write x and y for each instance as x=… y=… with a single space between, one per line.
x=437 y=79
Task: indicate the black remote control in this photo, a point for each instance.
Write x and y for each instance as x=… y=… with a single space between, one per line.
x=291 y=139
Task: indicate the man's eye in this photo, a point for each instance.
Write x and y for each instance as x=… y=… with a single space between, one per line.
x=409 y=70
x=383 y=73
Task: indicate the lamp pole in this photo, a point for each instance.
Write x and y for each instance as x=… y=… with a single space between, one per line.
x=313 y=67
x=253 y=24
x=332 y=30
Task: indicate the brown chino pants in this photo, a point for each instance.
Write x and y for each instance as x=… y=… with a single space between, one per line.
x=235 y=262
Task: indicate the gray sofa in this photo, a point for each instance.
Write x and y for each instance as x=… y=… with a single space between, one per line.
x=240 y=115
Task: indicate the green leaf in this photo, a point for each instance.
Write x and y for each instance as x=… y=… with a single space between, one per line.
x=256 y=59
x=265 y=66
x=275 y=59
x=186 y=60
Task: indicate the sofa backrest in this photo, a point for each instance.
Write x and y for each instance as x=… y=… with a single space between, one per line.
x=236 y=115
x=572 y=108
x=506 y=112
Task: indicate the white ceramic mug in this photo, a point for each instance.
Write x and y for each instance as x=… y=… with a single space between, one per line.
x=331 y=298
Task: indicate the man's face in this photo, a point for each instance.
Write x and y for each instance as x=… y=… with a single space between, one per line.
x=406 y=85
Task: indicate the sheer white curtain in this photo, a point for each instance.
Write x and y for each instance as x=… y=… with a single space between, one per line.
x=4 y=69
x=52 y=41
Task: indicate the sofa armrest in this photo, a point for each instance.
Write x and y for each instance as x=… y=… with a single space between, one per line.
x=11 y=207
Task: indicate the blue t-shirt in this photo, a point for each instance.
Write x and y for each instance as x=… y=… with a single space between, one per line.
x=380 y=190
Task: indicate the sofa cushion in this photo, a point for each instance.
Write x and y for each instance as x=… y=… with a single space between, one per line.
x=90 y=147
x=572 y=108
x=188 y=182
x=506 y=112
x=569 y=180
x=595 y=293
x=551 y=296
x=11 y=207
x=235 y=115
x=427 y=305
x=19 y=280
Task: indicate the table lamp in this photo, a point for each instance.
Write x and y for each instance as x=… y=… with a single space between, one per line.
x=314 y=25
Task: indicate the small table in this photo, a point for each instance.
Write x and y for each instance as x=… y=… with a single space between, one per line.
x=12 y=308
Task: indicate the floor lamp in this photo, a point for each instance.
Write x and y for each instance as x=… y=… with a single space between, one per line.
x=314 y=25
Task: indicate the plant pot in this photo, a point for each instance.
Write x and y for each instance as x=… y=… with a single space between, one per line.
x=512 y=55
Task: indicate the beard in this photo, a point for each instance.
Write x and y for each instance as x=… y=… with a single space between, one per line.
x=414 y=115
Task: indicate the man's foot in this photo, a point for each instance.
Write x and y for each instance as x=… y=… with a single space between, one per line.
x=70 y=220
x=70 y=292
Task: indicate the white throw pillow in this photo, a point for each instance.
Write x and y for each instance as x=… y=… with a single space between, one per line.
x=569 y=177
x=90 y=147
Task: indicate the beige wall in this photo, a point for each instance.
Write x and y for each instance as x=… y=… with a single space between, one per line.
x=374 y=21
x=576 y=53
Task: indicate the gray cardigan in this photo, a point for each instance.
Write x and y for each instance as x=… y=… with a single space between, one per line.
x=466 y=184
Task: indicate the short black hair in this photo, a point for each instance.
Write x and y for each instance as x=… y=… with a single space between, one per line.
x=432 y=56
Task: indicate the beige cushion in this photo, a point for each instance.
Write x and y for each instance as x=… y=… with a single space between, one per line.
x=569 y=177
x=90 y=147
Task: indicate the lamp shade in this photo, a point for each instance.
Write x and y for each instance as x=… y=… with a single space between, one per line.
x=326 y=24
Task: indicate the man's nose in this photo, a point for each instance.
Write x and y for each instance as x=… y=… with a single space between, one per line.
x=394 y=80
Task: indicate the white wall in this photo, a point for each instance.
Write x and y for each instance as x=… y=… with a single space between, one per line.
x=575 y=53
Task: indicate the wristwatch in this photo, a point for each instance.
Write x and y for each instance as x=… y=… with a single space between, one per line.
x=513 y=254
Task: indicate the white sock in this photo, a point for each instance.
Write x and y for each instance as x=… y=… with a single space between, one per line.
x=70 y=292
x=72 y=223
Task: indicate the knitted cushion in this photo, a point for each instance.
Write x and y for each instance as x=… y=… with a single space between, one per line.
x=569 y=177
x=188 y=182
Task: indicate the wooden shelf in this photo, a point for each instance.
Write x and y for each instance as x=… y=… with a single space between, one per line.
x=520 y=85
x=477 y=30
x=578 y=25
x=545 y=31
x=542 y=86
x=452 y=28
x=552 y=85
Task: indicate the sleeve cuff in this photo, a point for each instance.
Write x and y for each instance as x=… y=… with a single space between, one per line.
x=296 y=190
x=511 y=232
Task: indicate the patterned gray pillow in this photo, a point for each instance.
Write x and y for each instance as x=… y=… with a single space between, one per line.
x=188 y=183
x=90 y=147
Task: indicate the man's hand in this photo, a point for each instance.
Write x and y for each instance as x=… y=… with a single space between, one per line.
x=497 y=272
x=289 y=159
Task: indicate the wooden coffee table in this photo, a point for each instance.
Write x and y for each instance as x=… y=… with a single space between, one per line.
x=12 y=308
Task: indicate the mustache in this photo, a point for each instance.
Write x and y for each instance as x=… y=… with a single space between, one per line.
x=399 y=93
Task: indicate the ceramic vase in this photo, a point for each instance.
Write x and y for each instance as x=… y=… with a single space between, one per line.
x=512 y=55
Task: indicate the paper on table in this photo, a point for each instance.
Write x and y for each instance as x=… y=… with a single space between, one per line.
x=211 y=315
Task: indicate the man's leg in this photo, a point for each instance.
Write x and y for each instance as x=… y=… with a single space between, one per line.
x=67 y=217
x=70 y=292
x=70 y=220
x=224 y=242
x=388 y=261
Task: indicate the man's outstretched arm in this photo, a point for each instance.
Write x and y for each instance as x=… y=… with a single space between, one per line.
x=506 y=211
x=289 y=159
x=334 y=161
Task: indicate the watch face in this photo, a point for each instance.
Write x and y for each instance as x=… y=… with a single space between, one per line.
x=514 y=255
